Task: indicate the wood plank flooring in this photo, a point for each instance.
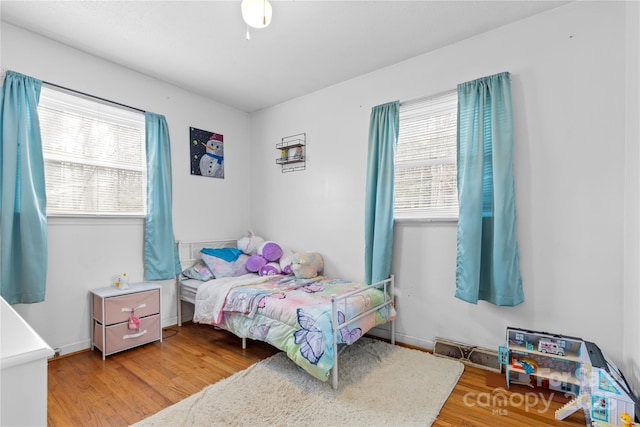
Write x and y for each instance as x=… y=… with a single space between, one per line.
x=84 y=390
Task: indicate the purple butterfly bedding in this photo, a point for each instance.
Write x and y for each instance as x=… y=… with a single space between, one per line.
x=293 y=315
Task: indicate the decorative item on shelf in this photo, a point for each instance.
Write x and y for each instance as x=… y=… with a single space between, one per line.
x=121 y=281
x=298 y=154
x=292 y=152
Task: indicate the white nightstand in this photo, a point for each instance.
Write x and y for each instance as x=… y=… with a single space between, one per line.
x=110 y=311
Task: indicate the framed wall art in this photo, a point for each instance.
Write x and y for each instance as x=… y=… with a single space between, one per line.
x=207 y=153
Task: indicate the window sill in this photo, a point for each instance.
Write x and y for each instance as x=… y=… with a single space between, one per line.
x=95 y=220
x=424 y=220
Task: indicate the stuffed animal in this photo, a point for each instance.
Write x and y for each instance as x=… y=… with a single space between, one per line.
x=306 y=265
x=285 y=261
x=250 y=243
x=271 y=251
x=212 y=163
x=270 y=269
x=255 y=262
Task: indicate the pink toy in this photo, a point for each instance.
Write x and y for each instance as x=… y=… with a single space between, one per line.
x=134 y=322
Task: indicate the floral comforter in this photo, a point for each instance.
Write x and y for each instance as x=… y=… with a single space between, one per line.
x=291 y=314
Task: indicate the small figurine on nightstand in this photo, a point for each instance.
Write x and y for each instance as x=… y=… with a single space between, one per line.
x=122 y=281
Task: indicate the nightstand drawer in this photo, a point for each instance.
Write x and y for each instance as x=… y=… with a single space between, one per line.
x=118 y=309
x=110 y=311
x=119 y=337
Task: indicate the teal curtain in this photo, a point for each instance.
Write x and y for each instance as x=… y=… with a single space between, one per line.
x=383 y=139
x=23 y=200
x=487 y=264
x=160 y=251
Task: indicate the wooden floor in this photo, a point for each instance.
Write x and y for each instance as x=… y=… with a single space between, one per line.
x=84 y=390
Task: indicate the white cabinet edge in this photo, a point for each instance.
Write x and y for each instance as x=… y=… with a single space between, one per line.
x=19 y=343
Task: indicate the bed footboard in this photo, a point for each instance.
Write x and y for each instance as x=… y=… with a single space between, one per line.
x=386 y=286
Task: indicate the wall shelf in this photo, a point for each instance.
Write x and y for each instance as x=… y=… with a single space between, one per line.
x=293 y=152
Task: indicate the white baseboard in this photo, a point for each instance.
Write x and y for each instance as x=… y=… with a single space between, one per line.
x=384 y=331
x=73 y=348
x=171 y=321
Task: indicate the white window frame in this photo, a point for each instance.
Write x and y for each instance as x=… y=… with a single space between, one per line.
x=422 y=122
x=114 y=180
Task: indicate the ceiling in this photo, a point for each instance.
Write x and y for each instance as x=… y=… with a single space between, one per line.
x=201 y=45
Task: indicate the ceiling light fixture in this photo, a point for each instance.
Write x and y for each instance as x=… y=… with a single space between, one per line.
x=256 y=13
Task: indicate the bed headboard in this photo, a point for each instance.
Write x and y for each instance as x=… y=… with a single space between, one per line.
x=189 y=251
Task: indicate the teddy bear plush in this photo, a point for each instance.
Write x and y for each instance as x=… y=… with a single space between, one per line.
x=306 y=265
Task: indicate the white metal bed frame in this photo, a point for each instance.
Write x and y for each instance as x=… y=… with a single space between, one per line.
x=189 y=253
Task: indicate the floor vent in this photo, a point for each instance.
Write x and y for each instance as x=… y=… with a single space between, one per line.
x=468 y=354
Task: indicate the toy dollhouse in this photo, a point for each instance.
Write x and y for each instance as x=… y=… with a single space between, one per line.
x=610 y=395
x=574 y=367
x=544 y=360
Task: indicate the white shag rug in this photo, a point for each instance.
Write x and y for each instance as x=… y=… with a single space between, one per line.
x=379 y=385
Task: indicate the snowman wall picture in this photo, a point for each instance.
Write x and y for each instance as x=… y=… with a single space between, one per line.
x=207 y=154
x=212 y=163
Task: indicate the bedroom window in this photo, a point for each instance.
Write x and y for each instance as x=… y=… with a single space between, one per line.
x=94 y=156
x=425 y=165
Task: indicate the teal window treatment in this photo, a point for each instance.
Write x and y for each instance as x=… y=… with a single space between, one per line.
x=487 y=262
x=23 y=201
x=161 y=260
x=383 y=140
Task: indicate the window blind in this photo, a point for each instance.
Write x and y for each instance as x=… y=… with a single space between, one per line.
x=94 y=156
x=425 y=166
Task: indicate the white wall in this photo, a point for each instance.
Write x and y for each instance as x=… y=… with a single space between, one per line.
x=631 y=320
x=567 y=68
x=85 y=253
